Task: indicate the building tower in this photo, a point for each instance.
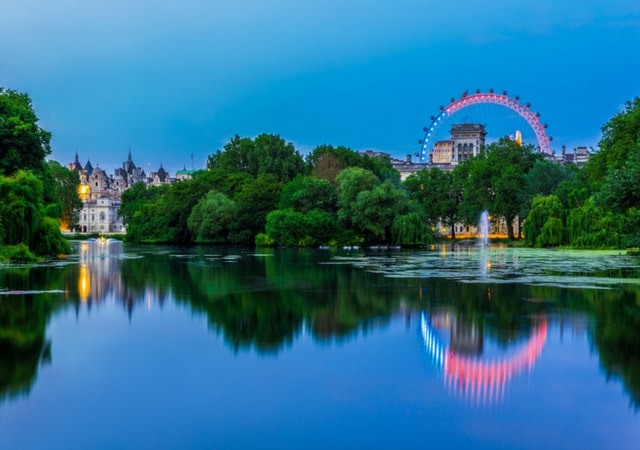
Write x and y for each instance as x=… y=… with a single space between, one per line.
x=467 y=139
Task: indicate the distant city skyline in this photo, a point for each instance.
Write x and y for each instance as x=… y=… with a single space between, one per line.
x=167 y=80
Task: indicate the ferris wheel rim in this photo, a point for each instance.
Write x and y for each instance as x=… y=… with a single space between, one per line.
x=494 y=98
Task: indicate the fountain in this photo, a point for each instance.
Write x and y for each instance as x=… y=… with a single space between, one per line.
x=483 y=229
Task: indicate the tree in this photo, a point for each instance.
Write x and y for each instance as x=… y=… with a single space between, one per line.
x=266 y=154
x=374 y=211
x=438 y=193
x=305 y=193
x=544 y=226
x=326 y=162
x=543 y=179
x=65 y=186
x=210 y=219
x=620 y=138
x=351 y=182
x=23 y=144
x=22 y=214
x=255 y=200
x=495 y=180
x=621 y=188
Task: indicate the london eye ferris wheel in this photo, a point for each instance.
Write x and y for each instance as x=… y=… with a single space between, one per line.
x=499 y=114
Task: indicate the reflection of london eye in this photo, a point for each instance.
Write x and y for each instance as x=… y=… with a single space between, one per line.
x=480 y=379
x=500 y=114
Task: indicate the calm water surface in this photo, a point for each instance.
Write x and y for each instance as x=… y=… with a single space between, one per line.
x=124 y=347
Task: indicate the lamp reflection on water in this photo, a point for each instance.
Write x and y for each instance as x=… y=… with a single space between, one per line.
x=84 y=283
x=98 y=260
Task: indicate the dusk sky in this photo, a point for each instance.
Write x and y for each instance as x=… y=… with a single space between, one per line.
x=168 y=79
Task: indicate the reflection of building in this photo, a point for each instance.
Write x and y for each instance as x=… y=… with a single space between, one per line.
x=99 y=272
x=466 y=337
x=482 y=379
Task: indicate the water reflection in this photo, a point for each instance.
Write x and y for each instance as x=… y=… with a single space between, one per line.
x=467 y=372
x=476 y=304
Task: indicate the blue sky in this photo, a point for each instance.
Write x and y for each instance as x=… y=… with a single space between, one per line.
x=169 y=79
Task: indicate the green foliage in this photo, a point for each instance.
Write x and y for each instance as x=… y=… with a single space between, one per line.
x=574 y=191
x=293 y=228
x=620 y=138
x=23 y=144
x=50 y=241
x=305 y=193
x=326 y=162
x=411 y=229
x=266 y=154
x=19 y=252
x=621 y=188
x=438 y=193
x=22 y=213
x=255 y=199
x=374 y=211
x=21 y=207
x=592 y=227
x=351 y=182
x=544 y=226
x=543 y=179
x=144 y=213
x=210 y=219
x=264 y=240
x=67 y=202
x=494 y=181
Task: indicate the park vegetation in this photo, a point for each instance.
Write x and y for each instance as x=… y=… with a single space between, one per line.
x=37 y=195
x=262 y=191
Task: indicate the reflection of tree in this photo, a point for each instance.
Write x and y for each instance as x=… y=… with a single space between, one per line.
x=502 y=311
x=617 y=337
x=263 y=301
x=23 y=346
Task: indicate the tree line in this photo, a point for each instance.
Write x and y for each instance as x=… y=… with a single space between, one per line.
x=263 y=191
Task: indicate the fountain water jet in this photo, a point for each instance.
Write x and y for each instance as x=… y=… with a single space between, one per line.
x=483 y=229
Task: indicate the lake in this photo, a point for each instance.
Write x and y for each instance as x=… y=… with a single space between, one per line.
x=158 y=347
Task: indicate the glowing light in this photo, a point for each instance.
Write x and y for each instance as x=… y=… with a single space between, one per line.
x=482 y=380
